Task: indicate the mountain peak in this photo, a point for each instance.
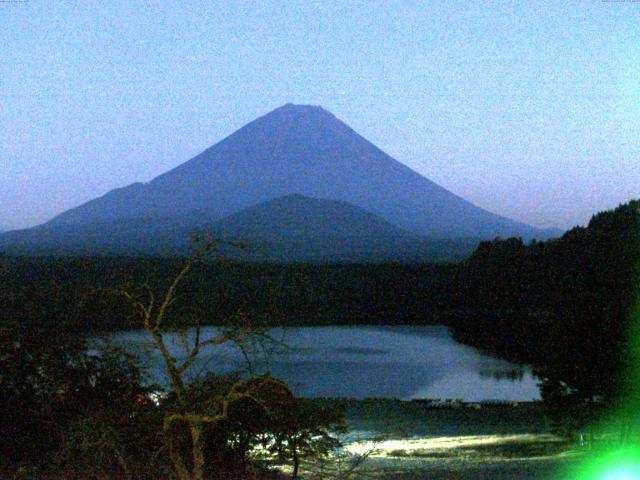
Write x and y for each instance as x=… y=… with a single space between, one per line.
x=300 y=107
x=297 y=111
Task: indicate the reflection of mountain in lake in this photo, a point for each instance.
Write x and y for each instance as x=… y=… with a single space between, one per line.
x=389 y=362
x=361 y=350
x=469 y=385
x=517 y=374
x=354 y=379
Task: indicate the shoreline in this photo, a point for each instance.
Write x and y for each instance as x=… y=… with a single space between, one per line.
x=403 y=439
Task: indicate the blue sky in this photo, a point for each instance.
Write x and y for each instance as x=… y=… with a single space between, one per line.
x=528 y=109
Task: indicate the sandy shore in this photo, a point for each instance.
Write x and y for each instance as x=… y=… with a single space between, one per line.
x=399 y=440
x=526 y=456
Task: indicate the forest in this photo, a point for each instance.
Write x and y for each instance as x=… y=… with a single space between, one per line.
x=568 y=306
x=72 y=289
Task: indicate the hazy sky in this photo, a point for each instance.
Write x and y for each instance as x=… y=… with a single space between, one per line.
x=530 y=109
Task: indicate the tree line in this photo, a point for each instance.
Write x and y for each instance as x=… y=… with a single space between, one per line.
x=567 y=306
x=282 y=295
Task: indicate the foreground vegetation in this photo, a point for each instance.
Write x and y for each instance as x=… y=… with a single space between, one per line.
x=68 y=410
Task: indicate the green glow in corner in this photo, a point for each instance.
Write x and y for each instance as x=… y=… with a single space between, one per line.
x=618 y=464
x=621 y=462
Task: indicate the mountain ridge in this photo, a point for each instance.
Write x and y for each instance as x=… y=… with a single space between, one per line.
x=293 y=228
x=306 y=150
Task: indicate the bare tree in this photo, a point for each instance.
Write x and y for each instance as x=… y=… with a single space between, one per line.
x=153 y=312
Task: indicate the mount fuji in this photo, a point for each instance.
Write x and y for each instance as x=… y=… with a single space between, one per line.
x=297 y=151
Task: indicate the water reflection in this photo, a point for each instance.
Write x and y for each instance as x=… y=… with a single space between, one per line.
x=513 y=375
x=359 y=362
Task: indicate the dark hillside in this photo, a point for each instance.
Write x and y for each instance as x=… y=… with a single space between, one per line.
x=288 y=229
x=57 y=289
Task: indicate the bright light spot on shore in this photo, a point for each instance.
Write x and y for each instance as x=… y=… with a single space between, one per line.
x=622 y=473
x=441 y=444
x=617 y=464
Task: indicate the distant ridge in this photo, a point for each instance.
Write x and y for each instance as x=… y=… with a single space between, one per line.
x=295 y=149
x=293 y=228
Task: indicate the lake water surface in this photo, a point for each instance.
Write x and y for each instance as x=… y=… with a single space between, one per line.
x=369 y=361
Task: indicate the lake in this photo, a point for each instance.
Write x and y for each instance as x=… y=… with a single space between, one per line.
x=359 y=362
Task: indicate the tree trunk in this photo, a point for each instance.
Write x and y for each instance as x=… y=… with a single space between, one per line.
x=174 y=455
x=197 y=450
x=296 y=463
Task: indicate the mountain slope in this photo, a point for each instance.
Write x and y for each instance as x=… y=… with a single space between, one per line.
x=305 y=150
x=297 y=216
x=131 y=236
x=293 y=228
x=298 y=228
